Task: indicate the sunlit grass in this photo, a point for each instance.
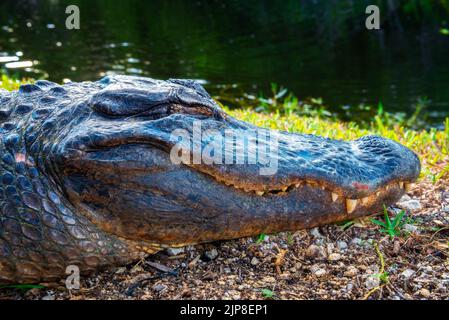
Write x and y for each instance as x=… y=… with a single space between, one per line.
x=11 y=84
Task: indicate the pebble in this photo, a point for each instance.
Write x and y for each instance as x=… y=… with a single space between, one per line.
x=314 y=251
x=317 y=271
x=410 y=205
x=211 y=254
x=255 y=261
x=234 y=294
x=410 y=228
x=159 y=287
x=120 y=270
x=372 y=282
x=316 y=233
x=320 y=272
x=356 y=241
x=407 y=273
x=174 y=251
x=351 y=271
x=342 y=245
x=334 y=257
x=49 y=297
x=424 y=292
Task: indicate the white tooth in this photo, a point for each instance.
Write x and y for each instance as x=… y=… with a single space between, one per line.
x=334 y=197
x=260 y=193
x=351 y=205
x=297 y=185
x=365 y=200
x=408 y=186
x=401 y=185
x=284 y=189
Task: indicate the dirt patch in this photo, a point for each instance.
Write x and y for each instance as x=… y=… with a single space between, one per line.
x=352 y=261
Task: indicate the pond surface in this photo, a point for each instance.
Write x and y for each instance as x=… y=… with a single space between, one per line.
x=314 y=48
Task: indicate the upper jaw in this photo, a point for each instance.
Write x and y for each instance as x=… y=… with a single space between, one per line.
x=350 y=169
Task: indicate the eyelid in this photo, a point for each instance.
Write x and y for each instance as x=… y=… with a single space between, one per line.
x=129 y=101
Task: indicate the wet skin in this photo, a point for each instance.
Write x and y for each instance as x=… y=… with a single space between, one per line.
x=87 y=178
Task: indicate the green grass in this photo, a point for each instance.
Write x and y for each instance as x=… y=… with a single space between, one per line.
x=11 y=84
x=267 y=294
x=392 y=228
x=261 y=238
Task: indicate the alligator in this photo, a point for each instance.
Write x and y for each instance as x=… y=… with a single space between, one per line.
x=88 y=176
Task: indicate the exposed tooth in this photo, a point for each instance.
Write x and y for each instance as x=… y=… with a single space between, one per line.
x=260 y=193
x=401 y=185
x=351 y=205
x=297 y=185
x=408 y=186
x=377 y=193
x=284 y=189
x=365 y=200
x=334 y=197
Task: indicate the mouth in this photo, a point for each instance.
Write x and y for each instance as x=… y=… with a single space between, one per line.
x=336 y=195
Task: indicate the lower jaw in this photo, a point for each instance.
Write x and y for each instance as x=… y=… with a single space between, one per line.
x=234 y=224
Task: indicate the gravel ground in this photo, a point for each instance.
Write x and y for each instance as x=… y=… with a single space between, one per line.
x=355 y=261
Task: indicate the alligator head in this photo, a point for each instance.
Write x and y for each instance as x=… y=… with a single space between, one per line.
x=142 y=163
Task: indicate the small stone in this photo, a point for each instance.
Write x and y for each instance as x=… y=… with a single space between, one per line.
x=210 y=255
x=174 y=251
x=320 y=272
x=372 y=282
x=334 y=257
x=234 y=294
x=254 y=261
x=424 y=292
x=407 y=273
x=410 y=205
x=342 y=245
x=159 y=287
x=411 y=228
x=405 y=198
x=120 y=270
x=356 y=241
x=351 y=271
x=316 y=233
x=317 y=270
x=314 y=251
x=49 y=296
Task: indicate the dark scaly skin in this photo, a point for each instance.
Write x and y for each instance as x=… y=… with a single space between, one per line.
x=86 y=177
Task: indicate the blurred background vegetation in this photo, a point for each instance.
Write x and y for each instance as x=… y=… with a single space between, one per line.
x=318 y=50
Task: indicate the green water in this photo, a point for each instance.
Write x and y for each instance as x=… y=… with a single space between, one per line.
x=314 y=48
